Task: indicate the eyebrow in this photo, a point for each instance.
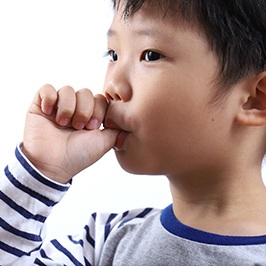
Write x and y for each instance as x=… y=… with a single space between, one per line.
x=144 y=32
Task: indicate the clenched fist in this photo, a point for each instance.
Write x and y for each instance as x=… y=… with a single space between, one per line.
x=62 y=133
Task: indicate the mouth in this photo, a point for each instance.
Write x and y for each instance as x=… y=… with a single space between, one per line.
x=120 y=140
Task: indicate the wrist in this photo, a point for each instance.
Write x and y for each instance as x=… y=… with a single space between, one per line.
x=48 y=171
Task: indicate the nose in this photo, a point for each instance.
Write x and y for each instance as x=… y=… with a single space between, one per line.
x=117 y=84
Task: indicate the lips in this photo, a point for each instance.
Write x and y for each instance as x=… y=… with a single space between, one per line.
x=120 y=140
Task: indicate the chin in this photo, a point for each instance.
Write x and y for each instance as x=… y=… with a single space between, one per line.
x=136 y=167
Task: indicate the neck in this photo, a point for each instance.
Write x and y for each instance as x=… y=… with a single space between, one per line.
x=231 y=205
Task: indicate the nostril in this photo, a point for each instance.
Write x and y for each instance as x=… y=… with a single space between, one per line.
x=112 y=97
x=117 y=97
x=108 y=97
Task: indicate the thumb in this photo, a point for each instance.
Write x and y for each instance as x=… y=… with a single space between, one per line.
x=99 y=142
x=109 y=139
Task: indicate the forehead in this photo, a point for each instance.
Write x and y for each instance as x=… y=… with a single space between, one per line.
x=147 y=9
x=130 y=7
x=143 y=23
x=152 y=22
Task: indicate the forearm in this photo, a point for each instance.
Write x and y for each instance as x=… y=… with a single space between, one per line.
x=26 y=200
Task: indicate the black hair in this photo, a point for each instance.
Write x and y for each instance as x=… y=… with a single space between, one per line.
x=235 y=29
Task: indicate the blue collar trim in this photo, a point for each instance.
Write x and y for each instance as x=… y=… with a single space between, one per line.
x=172 y=225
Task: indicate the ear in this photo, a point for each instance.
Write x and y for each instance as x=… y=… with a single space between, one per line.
x=253 y=111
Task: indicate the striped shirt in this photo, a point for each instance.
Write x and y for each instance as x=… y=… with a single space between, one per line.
x=26 y=200
x=137 y=237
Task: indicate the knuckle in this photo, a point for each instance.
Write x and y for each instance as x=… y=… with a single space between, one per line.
x=83 y=115
x=65 y=111
x=85 y=93
x=100 y=103
x=67 y=88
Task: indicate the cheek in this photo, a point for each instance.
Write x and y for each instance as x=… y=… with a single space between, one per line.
x=160 y=127
x=164 y=114
x=169 y=125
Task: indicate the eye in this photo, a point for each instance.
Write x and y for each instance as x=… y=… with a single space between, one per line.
x=150 y=56
x=111 y=55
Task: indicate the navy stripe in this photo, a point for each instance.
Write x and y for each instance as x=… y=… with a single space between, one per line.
x=141 y=215
x=89 y=239
x=88 y=236
x=94 y=215
x=12 y=250
x=62 y=249
x=107 y=227
x=76 y=242
x=125 y=214
x=27 y=190
x=87 y=262
x=38 y=262
x=15 y=231
x=20 y=209
x=81 y=243
x=44 y=256
x=144 y=213
x=124 y=221
x=36 y=175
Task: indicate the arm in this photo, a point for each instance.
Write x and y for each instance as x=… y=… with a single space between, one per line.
x=61 y=139
x=27 y=198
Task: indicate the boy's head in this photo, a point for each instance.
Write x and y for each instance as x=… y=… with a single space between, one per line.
x=166 y=58
x=235 y=30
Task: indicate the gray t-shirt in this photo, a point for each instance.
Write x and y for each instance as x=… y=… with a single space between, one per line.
x=162 y=240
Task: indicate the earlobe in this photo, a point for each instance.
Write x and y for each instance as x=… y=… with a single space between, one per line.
x=251 y=117
x=253 y=111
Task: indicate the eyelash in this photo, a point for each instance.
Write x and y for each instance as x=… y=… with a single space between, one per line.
x=155 y=56
x=112 y=56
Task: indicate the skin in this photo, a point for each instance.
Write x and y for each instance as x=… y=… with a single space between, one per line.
x=158 y=92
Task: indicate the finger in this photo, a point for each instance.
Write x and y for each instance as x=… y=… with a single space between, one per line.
x=84 y=108
x=66 y=105
x=45 y=99
x=100 y=107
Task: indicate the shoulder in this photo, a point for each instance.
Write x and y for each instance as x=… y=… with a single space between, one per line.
x=130 y=223
x=125 y=219
x=134 y=231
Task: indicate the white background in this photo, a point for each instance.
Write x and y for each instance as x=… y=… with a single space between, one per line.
x=61 y=42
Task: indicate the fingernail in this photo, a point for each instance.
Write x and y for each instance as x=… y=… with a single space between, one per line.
x=93 y=124
x=79 y=125
x=63 y=122
x=48 y=110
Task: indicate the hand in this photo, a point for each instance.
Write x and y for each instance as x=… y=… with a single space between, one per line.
x=62 y=135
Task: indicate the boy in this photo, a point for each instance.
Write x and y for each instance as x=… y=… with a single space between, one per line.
x=184 y=96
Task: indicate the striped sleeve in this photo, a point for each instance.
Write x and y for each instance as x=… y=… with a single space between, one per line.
x=26 y=199
x=87 y=247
